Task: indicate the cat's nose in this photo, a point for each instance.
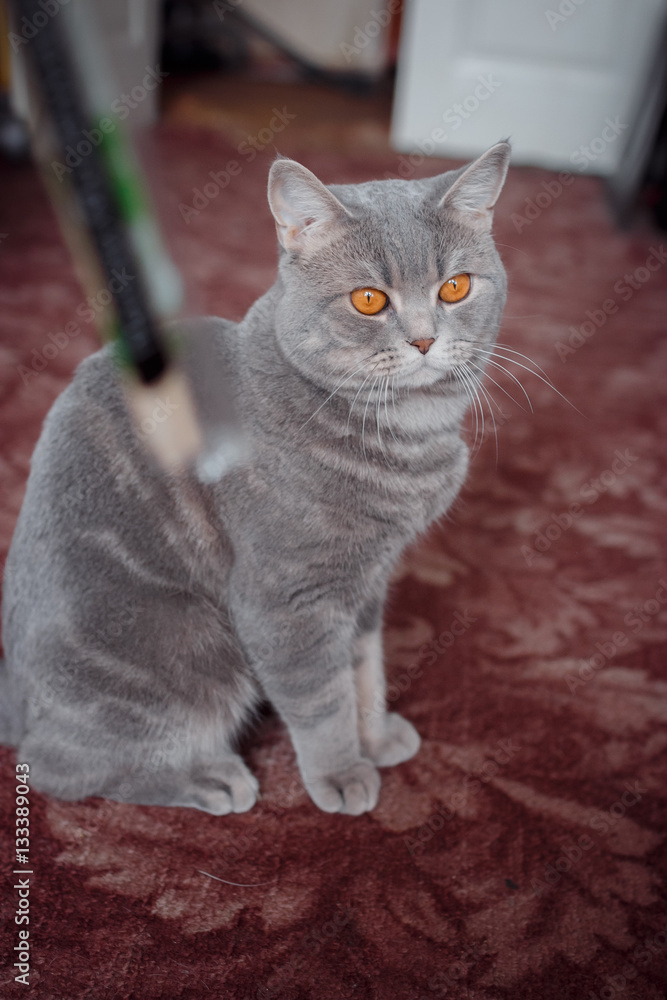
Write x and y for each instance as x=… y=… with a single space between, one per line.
x=422 y=345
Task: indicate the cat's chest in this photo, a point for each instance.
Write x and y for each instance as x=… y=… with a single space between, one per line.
x=388 y=489
x=409 y=453
x=369 y=485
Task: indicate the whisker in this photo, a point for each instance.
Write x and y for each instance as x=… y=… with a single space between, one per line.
x=241 y=885
x=363 y=422
x=463 y=379
x=489 y=400
x=377 y=416
x=502 y=388
x=510 y=247
x=349 y=416
x=473 y=404
x=477 y=387
x=463 y=376
x=490 y=361
x=474 y=382
x=340 y=384
x=510 y=350
x=386 y=410
x=546 y=380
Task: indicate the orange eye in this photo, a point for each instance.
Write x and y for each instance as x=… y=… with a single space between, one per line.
x=455 y=289
x=368 y=300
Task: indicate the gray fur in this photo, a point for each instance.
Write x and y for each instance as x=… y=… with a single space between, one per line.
x=146 y=615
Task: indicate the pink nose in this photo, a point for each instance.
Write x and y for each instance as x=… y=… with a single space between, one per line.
x=422 y=345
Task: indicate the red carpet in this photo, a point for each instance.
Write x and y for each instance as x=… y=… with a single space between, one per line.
x=521 y=854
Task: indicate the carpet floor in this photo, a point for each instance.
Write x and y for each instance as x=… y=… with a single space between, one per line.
x=520 y=855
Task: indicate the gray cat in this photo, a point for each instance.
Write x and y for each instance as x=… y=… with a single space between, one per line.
x=147 y=615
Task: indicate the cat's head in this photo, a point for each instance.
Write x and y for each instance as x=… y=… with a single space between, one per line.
x=389 y=277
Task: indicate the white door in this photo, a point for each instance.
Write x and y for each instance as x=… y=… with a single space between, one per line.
x=561 y=78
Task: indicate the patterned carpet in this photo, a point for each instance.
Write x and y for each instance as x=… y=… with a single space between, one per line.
x=521 y=855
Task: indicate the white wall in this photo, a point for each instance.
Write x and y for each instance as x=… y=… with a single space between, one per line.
x=551 y=74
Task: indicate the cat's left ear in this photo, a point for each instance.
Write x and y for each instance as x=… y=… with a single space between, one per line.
x=304 y=210
x=475 y=192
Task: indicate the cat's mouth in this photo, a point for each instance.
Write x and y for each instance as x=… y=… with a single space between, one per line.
x=410 y=367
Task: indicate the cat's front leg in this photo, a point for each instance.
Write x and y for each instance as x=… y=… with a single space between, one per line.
x=385 y=737
x=303 y=660
x=324 y=732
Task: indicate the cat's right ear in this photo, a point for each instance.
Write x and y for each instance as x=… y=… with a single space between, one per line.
x=475 y=191
x=304 y=210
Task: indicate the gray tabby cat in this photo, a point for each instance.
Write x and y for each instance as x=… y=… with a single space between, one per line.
x=146 y=615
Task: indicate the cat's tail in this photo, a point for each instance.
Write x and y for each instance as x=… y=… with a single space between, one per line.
x=9 y=722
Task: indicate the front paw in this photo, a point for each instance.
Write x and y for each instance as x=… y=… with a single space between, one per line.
x=353 y=791
x=397 y=740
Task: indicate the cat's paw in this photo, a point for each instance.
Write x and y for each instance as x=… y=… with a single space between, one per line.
x=224 y=787
x=397 y=741
x=353 y=791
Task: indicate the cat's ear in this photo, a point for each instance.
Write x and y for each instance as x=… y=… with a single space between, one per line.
x=475 y=192
x=304 y=210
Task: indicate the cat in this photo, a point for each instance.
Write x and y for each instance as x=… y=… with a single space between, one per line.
x=147 y=615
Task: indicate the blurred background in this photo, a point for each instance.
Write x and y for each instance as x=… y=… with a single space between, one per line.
x=555 y=548
x=579 y=85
